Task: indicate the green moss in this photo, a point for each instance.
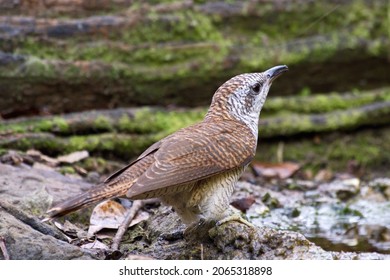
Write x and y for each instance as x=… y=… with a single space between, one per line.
x=192 y=26
x=183 y=26
x=44 y=125
x=102 y=123
x=175 y=120
x=78 y=143
x=100 y=165
x=174 y=48
x=130 y=147
x=295 y=212
x=319 y=17
x=91 y=163
x=36 y=67
x=270 y=201
x=350 y=212
x=60 y=125
x=142 y=123
x=119 y=145
x=147 y=122
x=56 y=125
x=67 y=170
x=143 y=43
x=129 y=241
x=370 y=148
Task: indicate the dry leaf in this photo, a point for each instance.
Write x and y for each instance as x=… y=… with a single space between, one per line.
x=243 y=204
x=38 y=156
x=12 y=157
x=110 y=214
x=139 y=217
x=323 y=175
x=71 y=230
x=282 y=170
x=80 y=170
x=107 y=214
x=95 y=245
x=73 y=157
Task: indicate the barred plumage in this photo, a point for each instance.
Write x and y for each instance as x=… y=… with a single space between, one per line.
x=194 y=169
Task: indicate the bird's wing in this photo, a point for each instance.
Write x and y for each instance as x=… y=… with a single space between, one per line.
x=196 y=153
x=147 y=152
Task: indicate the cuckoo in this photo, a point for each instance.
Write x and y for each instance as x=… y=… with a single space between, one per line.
x=195 y=169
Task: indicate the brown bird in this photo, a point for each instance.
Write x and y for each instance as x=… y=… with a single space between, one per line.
x=194 y=169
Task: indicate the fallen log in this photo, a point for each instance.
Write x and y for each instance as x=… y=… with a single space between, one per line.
x=375 y=114
x=126 y=132
x=179 y=53
x=321 y=103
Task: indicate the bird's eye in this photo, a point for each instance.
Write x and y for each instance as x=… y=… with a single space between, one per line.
x=256 y=88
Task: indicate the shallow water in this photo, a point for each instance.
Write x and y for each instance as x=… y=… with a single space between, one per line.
x=356 y=225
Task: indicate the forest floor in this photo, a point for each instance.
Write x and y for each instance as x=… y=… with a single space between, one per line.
x=331 y=216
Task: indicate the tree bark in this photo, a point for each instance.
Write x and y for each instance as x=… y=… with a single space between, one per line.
x=127 y=132
x=179 y=53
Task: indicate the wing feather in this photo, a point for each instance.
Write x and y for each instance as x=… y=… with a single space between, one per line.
x=195 y=153
x=146 y=153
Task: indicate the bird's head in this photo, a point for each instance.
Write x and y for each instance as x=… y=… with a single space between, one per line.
x=243 y=96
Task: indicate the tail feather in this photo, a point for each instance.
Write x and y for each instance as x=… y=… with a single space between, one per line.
x=115 y=186
x=94 y=195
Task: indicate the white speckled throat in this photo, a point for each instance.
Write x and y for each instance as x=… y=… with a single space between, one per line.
x=243 y=97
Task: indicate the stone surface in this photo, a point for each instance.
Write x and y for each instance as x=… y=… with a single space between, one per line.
x=25 y=195
x=24 y=242
x=27 y=192
x=162 y=238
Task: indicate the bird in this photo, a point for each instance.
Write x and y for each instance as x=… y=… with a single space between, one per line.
x=195 y=169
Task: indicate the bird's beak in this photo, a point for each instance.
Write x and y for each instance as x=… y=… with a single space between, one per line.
x=275 y=72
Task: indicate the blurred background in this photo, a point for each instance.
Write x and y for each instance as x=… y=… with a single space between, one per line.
x=110 y=77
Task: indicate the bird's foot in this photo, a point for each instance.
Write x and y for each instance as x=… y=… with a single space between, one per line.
x=235 y=217
x=198 y=230
x=194 y=227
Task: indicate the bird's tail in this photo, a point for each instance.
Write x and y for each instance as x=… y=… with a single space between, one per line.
x=94 y=195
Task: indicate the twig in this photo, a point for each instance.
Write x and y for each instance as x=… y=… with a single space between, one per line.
x=3 y=248
x=137 y=204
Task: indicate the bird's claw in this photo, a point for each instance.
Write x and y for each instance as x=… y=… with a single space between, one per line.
x=235 y=217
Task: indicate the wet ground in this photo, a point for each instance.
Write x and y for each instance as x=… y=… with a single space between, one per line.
x=340 y=215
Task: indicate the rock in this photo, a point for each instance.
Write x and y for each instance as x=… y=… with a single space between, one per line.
x=342 y=189
x=26 y=193
x=359 y=256
x=25 y=242
x=325 y=215
x=382 y=185
x=161 y=238
x=33 y=190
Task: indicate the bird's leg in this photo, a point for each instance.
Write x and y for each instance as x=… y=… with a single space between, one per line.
x=234 y=216
x=194 y=227
x=198 y=230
